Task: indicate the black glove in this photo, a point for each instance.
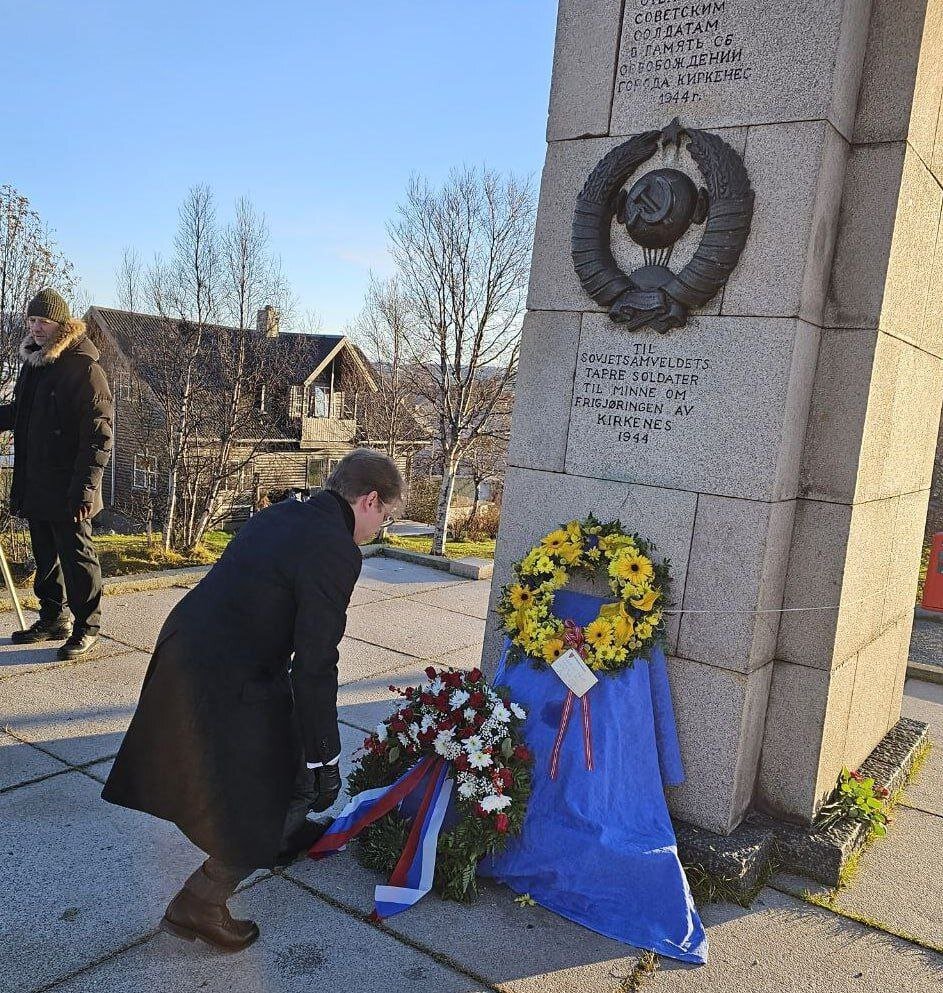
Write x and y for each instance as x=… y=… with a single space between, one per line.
x=328 y=784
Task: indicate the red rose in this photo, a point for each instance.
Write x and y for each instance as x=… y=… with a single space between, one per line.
x=461 y=763
x=430 y=672
x=476 y=700
x=506 y=777
x=478 y=720
x=467 y=732
x=475 y=675
x=442 y=702
x=453 y=679
x=522 y=753
x=480 y=811
x=501 y=823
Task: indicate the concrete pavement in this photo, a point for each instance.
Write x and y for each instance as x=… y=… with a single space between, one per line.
x=84 y=883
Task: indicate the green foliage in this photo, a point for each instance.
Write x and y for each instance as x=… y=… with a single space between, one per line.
x=453 y=549
x=855 y=800
x=423 y=499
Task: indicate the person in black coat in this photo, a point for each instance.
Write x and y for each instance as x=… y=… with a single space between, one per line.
x=235 y=735
x=61 y=417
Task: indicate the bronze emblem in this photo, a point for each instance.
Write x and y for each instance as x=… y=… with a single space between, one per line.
x=656 y=212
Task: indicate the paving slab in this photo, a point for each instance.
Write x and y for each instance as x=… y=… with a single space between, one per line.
x=77 y=712
x=136 y=618
x=923 y=701
x=467 y=598
x=362 y=660
x=21 y=763
x=367 y=702
x=414 y=628
x=398 y=578
x=516 y=947
x=900 y=881
x=363 y=594
x=306 y=946
x=926 y=642
x=20 y=660
x=81 y=878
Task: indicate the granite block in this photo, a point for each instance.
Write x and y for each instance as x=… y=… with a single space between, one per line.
x=720 y=408
x=583 y=68
x=720 y=717
x=544 y=391
x=738 y=564
x=886 y=238
x=796 y=171
x=755 y=63
x=901 y=84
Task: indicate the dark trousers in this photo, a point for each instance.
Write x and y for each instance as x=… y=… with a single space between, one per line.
x=67 y=571
x=216 y=881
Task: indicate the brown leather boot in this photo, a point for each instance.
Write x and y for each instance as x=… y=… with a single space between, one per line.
x=189 y=917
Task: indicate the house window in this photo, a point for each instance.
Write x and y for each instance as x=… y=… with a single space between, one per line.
x=122 y=386
x=319 y=468
x=319 y=403
x=296 y=401
x=144 y=472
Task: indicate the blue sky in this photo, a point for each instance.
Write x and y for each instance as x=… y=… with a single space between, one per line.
x=318 y=111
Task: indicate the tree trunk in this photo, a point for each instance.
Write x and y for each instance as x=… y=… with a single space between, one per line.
x=445 y=502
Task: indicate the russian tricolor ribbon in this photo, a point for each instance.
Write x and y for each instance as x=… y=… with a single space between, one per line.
x=413 y=875
x=568 y=704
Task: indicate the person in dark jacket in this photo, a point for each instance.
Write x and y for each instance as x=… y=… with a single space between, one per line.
x=61 y=417
x=235 y=736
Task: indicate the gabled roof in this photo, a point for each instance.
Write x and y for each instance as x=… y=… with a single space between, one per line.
x=308 y=354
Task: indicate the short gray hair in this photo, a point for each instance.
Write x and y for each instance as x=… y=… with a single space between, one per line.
x=363 y=471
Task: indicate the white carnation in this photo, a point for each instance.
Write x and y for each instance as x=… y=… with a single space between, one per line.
x=495 y=802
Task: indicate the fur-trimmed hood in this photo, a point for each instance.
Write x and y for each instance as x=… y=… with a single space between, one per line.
x=70 y=335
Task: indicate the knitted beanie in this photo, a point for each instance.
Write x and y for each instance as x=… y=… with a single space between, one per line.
x=47 y=303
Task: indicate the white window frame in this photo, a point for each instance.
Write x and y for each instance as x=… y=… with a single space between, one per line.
x=144 y=479
x=123 y=386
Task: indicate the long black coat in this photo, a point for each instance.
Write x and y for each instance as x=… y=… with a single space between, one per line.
x=61 y=417
x=218 y=734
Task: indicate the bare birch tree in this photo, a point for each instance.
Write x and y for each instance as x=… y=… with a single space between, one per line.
x=462 y=253
x=381 y=331
x=128 y=277
x=30 y=260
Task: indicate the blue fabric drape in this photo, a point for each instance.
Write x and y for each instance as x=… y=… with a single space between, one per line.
x=599 y=847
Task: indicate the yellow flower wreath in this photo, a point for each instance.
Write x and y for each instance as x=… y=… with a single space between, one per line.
x=622 y=631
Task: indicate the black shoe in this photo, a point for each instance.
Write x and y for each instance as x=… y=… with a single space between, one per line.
x=42 y=630
x=301 y=840
x=190 y=918
x=77 y=645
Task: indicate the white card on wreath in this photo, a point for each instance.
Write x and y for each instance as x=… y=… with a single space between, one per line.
x=575 y=673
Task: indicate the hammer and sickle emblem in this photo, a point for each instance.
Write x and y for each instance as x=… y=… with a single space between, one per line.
x=651 y=202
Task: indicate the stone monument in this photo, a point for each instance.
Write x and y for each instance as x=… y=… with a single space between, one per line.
x=776 y=440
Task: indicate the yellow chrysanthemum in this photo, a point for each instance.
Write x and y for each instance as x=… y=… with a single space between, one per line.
x=643 y=630
x=553 y=649
x=554 y=540
x=520 y=596
x=593 y=554
x=654 y=618
x=598 y=633
x=612 y=542
x=575 y=532
x=556 y=581
x=646 y=601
